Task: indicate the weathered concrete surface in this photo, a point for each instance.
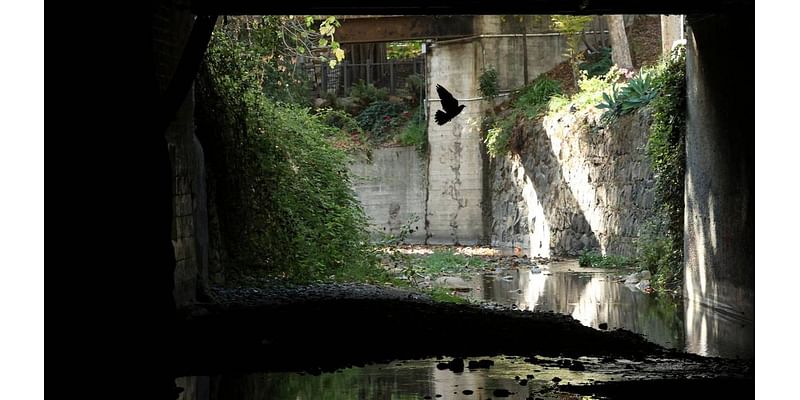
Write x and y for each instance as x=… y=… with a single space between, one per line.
x=460 y=207
x=392 y=189
x=719 y=227
x=568 y=189
x=671 y=30
x=506 y=54
x=454 y=172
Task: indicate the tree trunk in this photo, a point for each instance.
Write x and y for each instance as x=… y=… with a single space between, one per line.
x=620 y=50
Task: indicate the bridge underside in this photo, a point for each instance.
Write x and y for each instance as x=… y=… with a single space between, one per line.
x=466 y=7
x=399 y=28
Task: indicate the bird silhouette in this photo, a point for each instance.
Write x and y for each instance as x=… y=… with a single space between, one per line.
x=449 y=104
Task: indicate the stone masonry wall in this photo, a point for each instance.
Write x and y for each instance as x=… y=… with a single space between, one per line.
x=172 y=26
x=569 y=189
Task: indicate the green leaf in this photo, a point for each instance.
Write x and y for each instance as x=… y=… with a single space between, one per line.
x=323 y=42
x=339 y=53
x=309 y=21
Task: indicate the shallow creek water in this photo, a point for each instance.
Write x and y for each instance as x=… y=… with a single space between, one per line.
x=591 y=296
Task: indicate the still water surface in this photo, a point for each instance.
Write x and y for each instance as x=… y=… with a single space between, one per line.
x=591 y=296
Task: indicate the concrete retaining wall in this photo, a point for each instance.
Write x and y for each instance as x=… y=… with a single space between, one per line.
x=392 y=189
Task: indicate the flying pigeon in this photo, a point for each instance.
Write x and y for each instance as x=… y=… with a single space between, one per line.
x=449 y=104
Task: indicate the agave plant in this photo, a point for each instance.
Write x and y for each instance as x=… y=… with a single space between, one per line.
x=612 y=104
x=638 y=93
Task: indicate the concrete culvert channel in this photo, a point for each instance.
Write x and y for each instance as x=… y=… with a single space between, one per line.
x=345 y=341
x=532 y=247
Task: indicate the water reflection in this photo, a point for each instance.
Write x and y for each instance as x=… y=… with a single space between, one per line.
x=595 y=296
x=591 y=298
x=413 y=379
x=711 y=332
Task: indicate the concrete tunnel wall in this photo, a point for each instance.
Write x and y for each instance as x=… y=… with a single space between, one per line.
x=719 y=225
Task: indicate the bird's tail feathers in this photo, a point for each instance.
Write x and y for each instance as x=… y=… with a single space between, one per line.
x=441 y=117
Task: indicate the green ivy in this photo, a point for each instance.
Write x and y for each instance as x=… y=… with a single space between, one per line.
x=283 y=191
x=662 y=250
x=380 y=118
x=488 y=86
x=530 y=102
x=415 y=133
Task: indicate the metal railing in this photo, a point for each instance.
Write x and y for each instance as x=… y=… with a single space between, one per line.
x=390 y=74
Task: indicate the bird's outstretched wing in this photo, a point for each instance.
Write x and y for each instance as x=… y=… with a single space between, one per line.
x=449 y=103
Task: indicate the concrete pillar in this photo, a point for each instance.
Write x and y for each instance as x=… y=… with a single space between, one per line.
x=455 y=169
x=719 y=193
x=671 y=30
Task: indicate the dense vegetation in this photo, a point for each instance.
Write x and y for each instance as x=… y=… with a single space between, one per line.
x=661 y=250
x=282 y=188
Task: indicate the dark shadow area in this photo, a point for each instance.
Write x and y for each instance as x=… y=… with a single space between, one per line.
x=324 y=329
x=720 y=198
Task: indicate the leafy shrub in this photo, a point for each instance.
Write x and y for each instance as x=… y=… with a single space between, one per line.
x=488 y=86
x=533 y=98
x=379 y=118
x=590 y=92
x=283 y=192
x=349 y=136
x=366 y=94
x=597 y=64
x=666 y=151
x=339 y=119
x=415 y=85
x=639 y=92
x=531 y=101
x=499 y=135
x=595 y=260
x=415 y=133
